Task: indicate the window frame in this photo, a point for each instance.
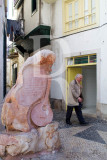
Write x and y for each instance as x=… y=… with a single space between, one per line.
x=35 y=10
x=81 y=16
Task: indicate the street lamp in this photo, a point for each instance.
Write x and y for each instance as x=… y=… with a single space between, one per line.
x=50 y=1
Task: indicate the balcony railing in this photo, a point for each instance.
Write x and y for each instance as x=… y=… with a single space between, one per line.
x=11 y=52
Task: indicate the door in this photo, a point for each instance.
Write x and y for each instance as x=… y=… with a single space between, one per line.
x=14 y=73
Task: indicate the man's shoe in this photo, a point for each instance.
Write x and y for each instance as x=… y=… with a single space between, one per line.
x=84 y=123
x=68 y=123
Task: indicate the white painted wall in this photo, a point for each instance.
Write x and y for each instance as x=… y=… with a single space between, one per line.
x=51 y=14
x=46 y=13
x=77 y=44
x=103 y=12
x=12 y=13
x=56 y=21
x=103 y=60
x=2 y=21
x=31 y=21
x=57 y=70
x=89 y=85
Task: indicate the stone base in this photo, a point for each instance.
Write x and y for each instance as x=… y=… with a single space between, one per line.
x=37 y=140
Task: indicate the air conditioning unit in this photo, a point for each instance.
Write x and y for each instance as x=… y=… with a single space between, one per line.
x=50 y=1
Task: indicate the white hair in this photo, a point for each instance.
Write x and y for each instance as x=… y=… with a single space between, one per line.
x=78 y=75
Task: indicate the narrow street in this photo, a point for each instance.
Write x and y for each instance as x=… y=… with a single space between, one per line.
x=77 y=142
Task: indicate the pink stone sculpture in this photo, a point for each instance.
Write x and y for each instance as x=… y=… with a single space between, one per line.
x=27 y=103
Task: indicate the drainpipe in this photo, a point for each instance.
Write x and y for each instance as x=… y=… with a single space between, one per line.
x=4 y=62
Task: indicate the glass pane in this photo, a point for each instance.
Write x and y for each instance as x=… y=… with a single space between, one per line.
x=86 y=5
x=93 y=59
x=70 y=61
x=93 y=4
x=76 y=9
x=76 y=14
x=70 y=16
x=70 y=25
x=81 y=60
x=93 y=10
x=86 y=18
x=76 y=23
x=93 y=18
x=70 y=12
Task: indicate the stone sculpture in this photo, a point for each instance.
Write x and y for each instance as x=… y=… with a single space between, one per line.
x=27 y=109
x=27 y=102
x=44 y=138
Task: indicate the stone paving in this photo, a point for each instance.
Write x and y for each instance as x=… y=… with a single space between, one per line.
x=77 y=142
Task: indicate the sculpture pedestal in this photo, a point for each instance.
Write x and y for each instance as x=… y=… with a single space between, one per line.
x=37 y=140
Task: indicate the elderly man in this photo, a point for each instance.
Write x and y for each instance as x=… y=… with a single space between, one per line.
x=75 y=100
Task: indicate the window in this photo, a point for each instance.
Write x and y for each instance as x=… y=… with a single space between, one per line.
x=34 y=5
x=90 y=59
x=79 y=14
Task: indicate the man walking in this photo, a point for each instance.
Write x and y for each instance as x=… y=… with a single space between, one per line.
x=75 y=100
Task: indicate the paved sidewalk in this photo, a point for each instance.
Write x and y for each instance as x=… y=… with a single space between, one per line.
x=77 y=142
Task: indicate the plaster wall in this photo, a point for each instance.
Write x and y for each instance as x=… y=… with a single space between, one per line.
x=46 y=13
x=103 y=12
x=73 y=45
x=51 y=15
x=89 y=86
x=31 y=20
x=56 y=20
x=12 y=13
x=20 y=62
x=103 y=60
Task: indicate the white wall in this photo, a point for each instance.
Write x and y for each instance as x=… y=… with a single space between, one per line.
x=31 y=21
x=46 y=13
x=83 y=43
x=58 y=70
x=103 y=60
x=56 y=21
x=11 y=11
x=103 y=12
x=89 y=85
x=51 y=14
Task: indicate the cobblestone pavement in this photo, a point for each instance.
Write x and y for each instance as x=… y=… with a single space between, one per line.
x=77 y=142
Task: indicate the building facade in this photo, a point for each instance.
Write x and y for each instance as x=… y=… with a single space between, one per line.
x=76 y=31
x=83 y=48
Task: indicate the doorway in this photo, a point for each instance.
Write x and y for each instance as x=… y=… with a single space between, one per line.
x=89 y=86
x=14 y=73
x=89 y=89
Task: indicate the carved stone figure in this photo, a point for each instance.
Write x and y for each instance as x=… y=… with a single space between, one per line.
x=26 y=112
x=27 y=104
